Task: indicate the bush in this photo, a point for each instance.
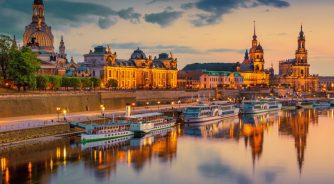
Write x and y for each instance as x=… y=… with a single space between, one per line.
x=55 y=82
x=95 y=82
x=75 y=82
x=85 y=82
x=42 y=82
x=65 y=82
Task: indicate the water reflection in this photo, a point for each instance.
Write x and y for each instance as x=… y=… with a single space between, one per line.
x=46 y=162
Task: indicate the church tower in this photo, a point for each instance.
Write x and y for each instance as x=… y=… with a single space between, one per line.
x=256 y=54
x=62 y=53
x=38 y=12
x=301 y=67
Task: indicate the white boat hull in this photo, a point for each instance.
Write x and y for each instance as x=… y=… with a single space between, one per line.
x=106 y=144
x=104 y=136
x=149 y=127
x=211 y=118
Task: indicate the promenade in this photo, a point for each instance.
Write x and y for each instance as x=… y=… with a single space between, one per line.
x=26 y=122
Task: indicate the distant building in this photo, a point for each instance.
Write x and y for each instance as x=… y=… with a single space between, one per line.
x=38 y=36
x=251 y=69
x=209 y=79
x=296 y=72
x=139 y=72
x=326 y=83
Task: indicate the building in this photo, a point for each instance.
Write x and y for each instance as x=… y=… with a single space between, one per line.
x=209 y=79
x=251 y=69
x=326 y=83
x=295 y=73
x=38 y=36
x=140 y=72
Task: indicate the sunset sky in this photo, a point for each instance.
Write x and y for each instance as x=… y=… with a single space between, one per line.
x=194 y=30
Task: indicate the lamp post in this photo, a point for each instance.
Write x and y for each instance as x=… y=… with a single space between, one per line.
x=158 y=105
x=147 y=103
x=58 y=112
x=102 y=110
x=179 y=102
x=172 y=103
x=133 y=106
x=65 y=113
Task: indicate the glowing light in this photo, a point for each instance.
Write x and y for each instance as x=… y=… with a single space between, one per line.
x=129 y=157
x=51 y=164
x=58 y=152
x=3 y=164
x=7 y=176
x=100 y=157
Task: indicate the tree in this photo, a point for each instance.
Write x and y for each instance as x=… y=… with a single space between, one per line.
x=85 y=82
x=5 y=56
x=95 y=82
x=54 y=82
x=22 y=68
x=75 y=82
x=112 y=83
x=66 y=82
x=42 y=82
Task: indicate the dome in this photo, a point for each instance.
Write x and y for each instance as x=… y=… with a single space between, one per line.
x=259 y=47
x=138 y=54
x=163 y=56
x=42 y=38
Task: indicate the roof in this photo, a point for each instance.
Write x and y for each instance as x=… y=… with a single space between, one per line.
x=211 y=67
x=221 y=73
x=145 y=115
x=122 y=62
x=288 y=61
x=246 y=67
x=38 y=2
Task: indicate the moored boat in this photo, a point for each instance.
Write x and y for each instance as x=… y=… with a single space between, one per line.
x=254 y=107
x=305 y=104
x=204 y=112
x=332 y=103
x=289 y=105
x=321 y=104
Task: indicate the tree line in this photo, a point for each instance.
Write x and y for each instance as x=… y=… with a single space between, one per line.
x=52 y=82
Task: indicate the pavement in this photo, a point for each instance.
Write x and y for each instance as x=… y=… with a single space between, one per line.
x=35 y=121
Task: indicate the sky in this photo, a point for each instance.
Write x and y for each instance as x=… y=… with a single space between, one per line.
x=193 y=30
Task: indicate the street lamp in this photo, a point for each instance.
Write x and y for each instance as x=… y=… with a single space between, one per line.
x=147 y=103
x=102 y=110
x=58 y=112
x=64 y=113
x=179 y=102
x=158 y=105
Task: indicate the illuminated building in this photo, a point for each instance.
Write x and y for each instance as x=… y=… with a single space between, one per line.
x=38 y=36
x=295 y=73
x=139 y=71
x=251 y=69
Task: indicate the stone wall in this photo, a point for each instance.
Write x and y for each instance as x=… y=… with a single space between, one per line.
x=38 y=104
x=20 y=135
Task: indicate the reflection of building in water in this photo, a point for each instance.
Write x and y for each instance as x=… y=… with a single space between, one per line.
x=296 y=123
x=253 y=127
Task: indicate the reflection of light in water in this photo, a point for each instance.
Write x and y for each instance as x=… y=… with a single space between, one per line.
x=30 y=170
x=100 y=157
x=3 y=164
x=95 y=155
x=64 y=155
x=7 y=175
x=58 y=152
x=51 y=164
x=129 y=157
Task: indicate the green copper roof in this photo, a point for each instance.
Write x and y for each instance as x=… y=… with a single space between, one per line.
x=221 y=73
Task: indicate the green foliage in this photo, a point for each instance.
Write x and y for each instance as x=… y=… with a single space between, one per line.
x=95 y=82
x=22 y=68
x=66 y=82
x=85 y=82
x=5 y=55
x=75 y=82
x=55 y=82
x=112 y=83
x=42 y=82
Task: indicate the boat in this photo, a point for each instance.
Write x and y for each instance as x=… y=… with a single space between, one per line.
x=204 y=112
x=305 y=104
x=332 y=103
x=107 y=144
x=321 y=104
x=145 y=123
x=96 y=132
x=255 y=107
x=289 y=105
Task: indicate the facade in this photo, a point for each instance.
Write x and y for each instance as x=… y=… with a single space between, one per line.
x=251 y=69
x=141 y=72
x=209 y=79
x=97 y=59
x=295 y=73
x=326 y=83
x=38 y=36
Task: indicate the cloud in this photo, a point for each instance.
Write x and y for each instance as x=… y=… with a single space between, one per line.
x=158 y=1
x=165 y=18
x=213 y=11
x=154 y=48
x=63 y=14
x=222 y=50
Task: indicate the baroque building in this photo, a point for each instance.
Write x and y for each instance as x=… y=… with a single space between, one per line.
x=38 y=36
x=295 y=73
x=251 y=69
x=138 y=72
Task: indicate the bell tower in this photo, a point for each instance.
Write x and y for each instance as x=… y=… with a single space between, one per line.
x=38 y=12
x=301 y=52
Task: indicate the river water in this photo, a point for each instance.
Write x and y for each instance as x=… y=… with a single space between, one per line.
x=280 y=147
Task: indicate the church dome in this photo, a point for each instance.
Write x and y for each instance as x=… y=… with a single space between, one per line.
x=42 y=38
x=259 y=47
x=138 y=54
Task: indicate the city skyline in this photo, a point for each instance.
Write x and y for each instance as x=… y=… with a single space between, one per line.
x=222 y=33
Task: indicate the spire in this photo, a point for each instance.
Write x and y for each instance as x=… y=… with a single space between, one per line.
x=301 y=33
x=62 y=38
x=254 y=35
x=246 y=55
x=38 y=2
x=14 y=44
